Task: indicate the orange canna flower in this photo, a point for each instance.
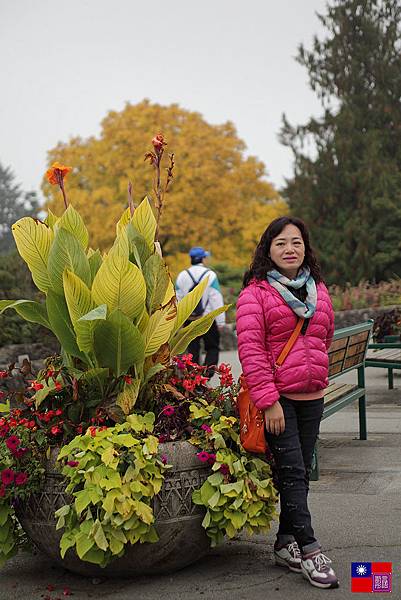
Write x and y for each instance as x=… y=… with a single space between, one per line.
x=56 y=173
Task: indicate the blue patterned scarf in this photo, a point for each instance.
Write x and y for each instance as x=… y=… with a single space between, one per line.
x=282 y=284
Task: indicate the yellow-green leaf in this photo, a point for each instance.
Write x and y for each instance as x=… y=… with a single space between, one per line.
x=72 y=221
x=186 y=306
x=120 y=284
x=118 y=343
x=34 y=240
x=179 y=343
x=159 y=328
x=67 y=253
x=128 y=397
x=144 y=221
x=124 y=220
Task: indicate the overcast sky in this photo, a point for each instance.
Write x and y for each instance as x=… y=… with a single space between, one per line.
x=64 y=65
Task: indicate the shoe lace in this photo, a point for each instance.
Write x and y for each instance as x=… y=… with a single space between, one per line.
x=320 y=561
x=294 y=550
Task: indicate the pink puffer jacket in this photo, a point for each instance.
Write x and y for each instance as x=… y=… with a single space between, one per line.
x=264 y=325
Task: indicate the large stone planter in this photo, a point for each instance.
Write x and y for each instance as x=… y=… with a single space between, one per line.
x=178 y=522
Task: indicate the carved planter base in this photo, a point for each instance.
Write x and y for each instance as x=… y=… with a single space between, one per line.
x=178 y=522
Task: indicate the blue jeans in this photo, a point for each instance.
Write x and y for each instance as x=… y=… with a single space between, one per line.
x=292 y=451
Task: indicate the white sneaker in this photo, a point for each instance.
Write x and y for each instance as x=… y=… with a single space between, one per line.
x=315 y=568
x=289 y=556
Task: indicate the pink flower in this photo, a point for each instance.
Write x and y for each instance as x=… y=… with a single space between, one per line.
x=13 y=442
x=212 y=459
x=163 y=458
x=206 y=428
x=21 y=478
x=224 y=469
x=168 y=410
x=72 y=463
x=180 y=364
x=7 y=476
x=203 y=456
x=55 y=430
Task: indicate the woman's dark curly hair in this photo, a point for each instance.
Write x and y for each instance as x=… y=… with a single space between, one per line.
x=262 y=263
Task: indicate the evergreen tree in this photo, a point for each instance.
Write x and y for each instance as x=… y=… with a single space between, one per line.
x=348 y=188
x=14 y=204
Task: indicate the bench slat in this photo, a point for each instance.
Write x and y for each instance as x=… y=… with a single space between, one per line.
x=384 y=355
x=336 y=391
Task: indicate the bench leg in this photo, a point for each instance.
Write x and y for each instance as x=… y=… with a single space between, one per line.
x=314 y=474
x=390 y=379
x=363 y=434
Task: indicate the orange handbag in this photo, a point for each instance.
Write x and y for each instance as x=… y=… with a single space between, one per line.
x=252 y=431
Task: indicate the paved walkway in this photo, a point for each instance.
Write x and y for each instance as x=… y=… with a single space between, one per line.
x=356 y=511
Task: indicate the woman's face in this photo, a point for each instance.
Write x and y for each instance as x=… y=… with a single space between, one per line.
x=287 y=251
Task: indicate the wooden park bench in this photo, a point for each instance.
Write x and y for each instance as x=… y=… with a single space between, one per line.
x=385 y=356
x=347 y=353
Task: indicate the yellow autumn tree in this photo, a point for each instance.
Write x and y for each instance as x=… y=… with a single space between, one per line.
x=219 y=198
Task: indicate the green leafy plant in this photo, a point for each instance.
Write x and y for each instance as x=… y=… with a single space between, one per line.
x=240 y=493
x=113 y=474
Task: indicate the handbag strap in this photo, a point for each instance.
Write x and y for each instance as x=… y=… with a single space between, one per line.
x=288 y=347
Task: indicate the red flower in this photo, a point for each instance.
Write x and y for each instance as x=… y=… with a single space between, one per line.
x=50 y=373
x=19 y=452
x=72 y=463
x=2 y=491
x=127 y=379
x=56 y=173
x=3 y=374
x=55 y=430
x=168 y=410
x=203 y=456
x=79 y=428
x=58 y=412
x=7 y=476
x=92 y=431
x=162 y=438
x=189 y=384
x=4 y=429
x=21 y=478
x=13 y=442
x=37 y=386
x=66 y=592
x=58 y=387
x=163 y=458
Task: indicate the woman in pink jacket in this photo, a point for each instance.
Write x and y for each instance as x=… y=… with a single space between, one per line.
x=283 y=284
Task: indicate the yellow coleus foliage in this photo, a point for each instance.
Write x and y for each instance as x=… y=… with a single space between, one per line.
x=219 y=198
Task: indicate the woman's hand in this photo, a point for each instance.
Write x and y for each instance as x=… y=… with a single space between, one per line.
x=274 y=419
